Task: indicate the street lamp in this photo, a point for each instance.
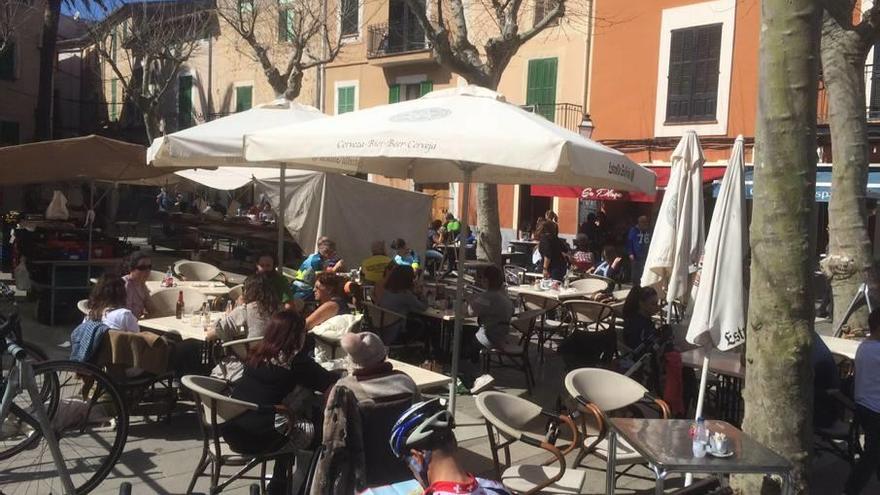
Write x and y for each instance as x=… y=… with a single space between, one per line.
x=586 y=126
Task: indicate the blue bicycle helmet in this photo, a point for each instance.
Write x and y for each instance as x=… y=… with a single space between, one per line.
x=422 y=426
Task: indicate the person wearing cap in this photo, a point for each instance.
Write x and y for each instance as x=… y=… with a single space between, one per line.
x=371 y=376
x=424 y=440
x=374 y=266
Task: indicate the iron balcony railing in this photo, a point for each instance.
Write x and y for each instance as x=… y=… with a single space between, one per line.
x=567 y=115
x=395 y=38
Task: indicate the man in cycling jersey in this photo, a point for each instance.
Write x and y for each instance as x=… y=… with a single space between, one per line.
x=423 y=438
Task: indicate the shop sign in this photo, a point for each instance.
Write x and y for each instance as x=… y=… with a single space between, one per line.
x=601 y=194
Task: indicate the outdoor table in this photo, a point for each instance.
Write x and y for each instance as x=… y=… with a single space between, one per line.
x=126 y=228
x=523 y=246
x=206 y=288
x=182 y=326
x=728 y=367
x=446 y=316
x=425 y=379
x=842 y=347
x=666 y=446
x=234 y=278
x=53 y=287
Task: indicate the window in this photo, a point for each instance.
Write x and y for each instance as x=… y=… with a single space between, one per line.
x=409 y=91
x=114 y=101
x=245 y=8
x=693 y=74
x=286 y=18
x=7 y=63
x=544 y=7
x=9 y=133
x=345 y=99
x=349 y=17
x=872 y=71
x=184 y=102
x=541 y=89
x=244 y=97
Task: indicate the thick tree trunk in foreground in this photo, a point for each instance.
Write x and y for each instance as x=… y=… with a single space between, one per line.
x=778 y=392
x=45 y=87
x=850 y=260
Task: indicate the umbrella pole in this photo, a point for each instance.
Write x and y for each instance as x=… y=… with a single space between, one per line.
x=459 y=285
x=701 y=397
x=279 y=217
x=91 y=222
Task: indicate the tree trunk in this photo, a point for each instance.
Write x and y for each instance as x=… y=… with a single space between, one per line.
x=850 y=261
x=488 y=224
x=152 y=123
x=45 y=87
x=778 y=393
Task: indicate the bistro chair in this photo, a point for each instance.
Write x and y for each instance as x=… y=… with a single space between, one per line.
x=514 y=355
x=387 y=324
x=590 y=285
x=164 y=302
x=599 y=393
x=512 y=419
x=197 y=271
x=215 y=408
x=83 y=306
x=546 y=327
x=590 y=316
x=155 y=276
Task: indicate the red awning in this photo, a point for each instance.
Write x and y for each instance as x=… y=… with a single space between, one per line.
x=600 y=194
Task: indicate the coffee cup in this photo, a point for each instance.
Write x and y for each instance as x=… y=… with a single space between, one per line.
x=719 y=443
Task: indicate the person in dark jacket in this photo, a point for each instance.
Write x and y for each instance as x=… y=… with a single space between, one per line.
x=641 y=304
x=552 y=252
x=272 y=370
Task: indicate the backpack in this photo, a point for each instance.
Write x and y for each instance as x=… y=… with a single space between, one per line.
x=340 y=467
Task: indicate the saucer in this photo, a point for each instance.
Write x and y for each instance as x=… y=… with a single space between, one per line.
x=720 y=455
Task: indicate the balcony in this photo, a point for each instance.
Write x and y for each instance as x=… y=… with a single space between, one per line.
x=567 y=115
x=397 y=43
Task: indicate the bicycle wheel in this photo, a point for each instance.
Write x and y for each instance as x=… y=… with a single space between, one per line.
x=16 y=433
x=89 y=419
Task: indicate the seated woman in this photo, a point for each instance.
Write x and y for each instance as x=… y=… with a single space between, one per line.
x=273 y=369
x=396 y=294
x=610 y=265
x=493 y=308
x=107 y=304
x=582 y=258
x=261 y=301
x=405 y=256
x=330 y=294
x=641 y=304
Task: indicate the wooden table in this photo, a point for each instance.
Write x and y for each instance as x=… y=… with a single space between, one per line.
x=206 y=288
x=184 y=328
x=842 y=347
x=425 y=379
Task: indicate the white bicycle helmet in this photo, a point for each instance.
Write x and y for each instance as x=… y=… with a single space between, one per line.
x=422 y=426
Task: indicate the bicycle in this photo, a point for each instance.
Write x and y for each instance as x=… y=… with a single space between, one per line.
x=69 y=409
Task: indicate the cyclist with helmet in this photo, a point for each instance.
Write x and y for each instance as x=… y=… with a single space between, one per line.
x=423 y=438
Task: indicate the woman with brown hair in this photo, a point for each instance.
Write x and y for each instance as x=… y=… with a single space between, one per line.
x=261 y=301
x=330 y=294
x=272 y=370
x=107 y=304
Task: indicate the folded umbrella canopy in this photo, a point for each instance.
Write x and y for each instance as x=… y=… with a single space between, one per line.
x=468 y=134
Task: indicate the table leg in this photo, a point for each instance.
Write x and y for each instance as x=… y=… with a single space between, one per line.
x=660 y=480
x=610 y=467
x=52 y=297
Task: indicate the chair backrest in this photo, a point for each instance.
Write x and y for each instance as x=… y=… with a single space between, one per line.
x=164 y=302
x=513 y=274
x=235 y=292
x=606 y=389
x=380 y=317
x=213 y=405
x=197 y=271
x=83 y=306
x=155 y=276
x=513 y=416
x=241 y=347
x=378 y=418
x=591 y=315
x=533 y=302
x=590 y=285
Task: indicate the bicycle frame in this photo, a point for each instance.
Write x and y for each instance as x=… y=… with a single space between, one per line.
x=22 y=373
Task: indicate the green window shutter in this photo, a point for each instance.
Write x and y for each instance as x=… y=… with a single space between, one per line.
x=184 y=102
x=9 y=133
x=113 y=99
x=541 y=89
x=244 y=98
x=285 y=25
x=7 y=63
x=345 y=99
x=394 y=93
x=426 y=87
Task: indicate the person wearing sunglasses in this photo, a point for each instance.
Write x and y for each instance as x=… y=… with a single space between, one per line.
x=137 y=296
x=423 y=438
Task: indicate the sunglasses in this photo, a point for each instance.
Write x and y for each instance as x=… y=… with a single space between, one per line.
x=143 y=268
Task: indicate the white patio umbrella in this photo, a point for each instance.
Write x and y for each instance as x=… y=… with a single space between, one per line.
x=218 y=142
x=467 y=135
x=677 y=243
x=719 y=309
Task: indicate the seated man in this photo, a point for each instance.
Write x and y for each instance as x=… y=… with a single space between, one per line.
x=266 y=264
x=403 y=255
x=324 y=259
x=493 y=308
x=423 y=439
x=374 y=266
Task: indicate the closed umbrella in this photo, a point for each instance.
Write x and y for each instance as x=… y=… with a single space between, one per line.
x=467 y=134
x=218 y=142
x=677 y=242
x=719 y=310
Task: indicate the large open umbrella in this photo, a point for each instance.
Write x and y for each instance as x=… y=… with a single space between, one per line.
x=677 y=242
x=467 y=134
x=218 y=142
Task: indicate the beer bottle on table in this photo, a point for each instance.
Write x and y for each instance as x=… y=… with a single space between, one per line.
x=178 y=313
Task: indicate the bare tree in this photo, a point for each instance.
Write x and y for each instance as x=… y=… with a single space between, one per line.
x=845 y=47
x=779 y=386
x=145 y=43
x=13 y=14
x=477 y=40
x=286 y=37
